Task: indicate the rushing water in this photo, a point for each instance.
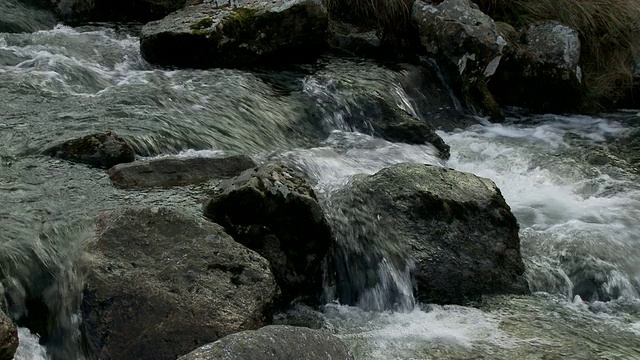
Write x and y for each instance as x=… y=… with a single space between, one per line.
x=567 y=179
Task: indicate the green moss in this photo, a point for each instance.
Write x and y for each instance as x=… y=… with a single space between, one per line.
x=242 y=15
x=202 y=27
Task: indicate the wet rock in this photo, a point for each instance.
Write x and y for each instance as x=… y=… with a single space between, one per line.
x=80 y=11
x=458 y=31
x=452 y=229
x=102 y=150
x=542 y=73
x=353 y=40
x=274 y=342
x=8 y=337
x=273 y=210
x=303 y=316
x=25 y=16
x=414 y=132
x=162 y=282
x=252 y=33
x=170 y=171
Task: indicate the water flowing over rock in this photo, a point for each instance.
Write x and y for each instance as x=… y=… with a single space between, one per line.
x=458 y=31
x=20 y=16
x=274 y=342
x=74 y=11
x=254 y=33
x=273 y=210
x=452 y=230
x=542 y=73
x=8 y=337
x=162 y=282
x=102 y=150
x=171 y=171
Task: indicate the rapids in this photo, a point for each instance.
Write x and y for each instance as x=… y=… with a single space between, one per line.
x=566 y=178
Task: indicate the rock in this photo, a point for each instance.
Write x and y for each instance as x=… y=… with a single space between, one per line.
x=353 y=40
x=414 y=132
x=454 y=227
x=458 y=31
x=22 y=16
x=274 y=342
x=273 y=210
x=171 y=171
x=161 y=283
x=254 y=33
x=8 y=337
x=303 y=316
x=102 y=150
x=79 y=11
x=542 y=73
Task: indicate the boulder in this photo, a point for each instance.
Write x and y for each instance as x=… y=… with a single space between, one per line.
x=453 y=230
x=273 y=210
x=102 y=150
x=254 y=33
x=274 y=342
x=354 y=40
x=161 y=282
x=542 y=73
x=80 y=11
x=458 y=31
x=171 y=171
x=8 y=337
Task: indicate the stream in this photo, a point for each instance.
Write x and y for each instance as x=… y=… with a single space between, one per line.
x=569 y=181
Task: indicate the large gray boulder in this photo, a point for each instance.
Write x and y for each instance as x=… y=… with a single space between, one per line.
x=273 y=210
x=172 y=171
x=102 y=150
x=274 y=342
x=458 y=31
x=542 y=72
x=162 y=282
x=20 y=16
x=8 y=337
x=452 y=229
x=251 y=33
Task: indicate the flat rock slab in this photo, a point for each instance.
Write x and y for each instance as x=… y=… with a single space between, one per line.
x=254 y=33
x=171 y=171
x=161 y=283
x=274 y=342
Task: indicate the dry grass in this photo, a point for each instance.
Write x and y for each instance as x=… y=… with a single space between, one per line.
x=392 y=17
x=609 y=33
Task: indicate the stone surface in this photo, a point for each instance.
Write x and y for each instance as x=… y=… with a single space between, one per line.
x=253 y=33
x=454 y=227
x=273 y=210
x=354 y=40
x=102 y=150
x=8 y=337
x=458 y=31
x=79 y=11
x=543 y=72
x=171 y=171
x=160 y=283
x=274 y=342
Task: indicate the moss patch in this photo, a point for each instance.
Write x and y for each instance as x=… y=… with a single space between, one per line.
x=242 y=15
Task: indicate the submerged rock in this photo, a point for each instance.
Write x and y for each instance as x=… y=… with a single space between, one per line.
x=452 y=229
x=542 y=73
x=102 y=150
x=8 y=337
x=273 y=210
x=161 y=283
x=274 y=342
x=171 y=171
x=458 y=31
x=253 y=33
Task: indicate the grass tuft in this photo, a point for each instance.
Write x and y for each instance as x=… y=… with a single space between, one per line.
x=391 y=17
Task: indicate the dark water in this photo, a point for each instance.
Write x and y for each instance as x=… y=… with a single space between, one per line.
x=579 y=213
